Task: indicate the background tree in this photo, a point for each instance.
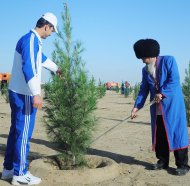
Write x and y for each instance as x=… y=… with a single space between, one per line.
x=5 y=92
x=101 y=89
x=186 y=92
x=71 y=100
x=128 y=91
x=136 y=90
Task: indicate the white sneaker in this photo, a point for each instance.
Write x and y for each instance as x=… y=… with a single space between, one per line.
x=7 y=174
x=27 y=179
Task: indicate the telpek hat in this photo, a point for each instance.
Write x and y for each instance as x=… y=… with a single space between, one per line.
x=51 y=18
x=146 y=48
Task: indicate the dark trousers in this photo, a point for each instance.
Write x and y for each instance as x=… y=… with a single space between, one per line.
x=162 y=148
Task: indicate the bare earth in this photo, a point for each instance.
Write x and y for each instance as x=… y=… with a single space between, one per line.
x=129 y=144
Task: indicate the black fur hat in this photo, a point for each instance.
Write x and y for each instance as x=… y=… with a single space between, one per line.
x=146 y=48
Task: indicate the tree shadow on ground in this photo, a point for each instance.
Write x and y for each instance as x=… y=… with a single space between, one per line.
x=126 y=159
x=120 y=158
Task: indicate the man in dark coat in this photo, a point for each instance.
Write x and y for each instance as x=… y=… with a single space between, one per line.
x=160 y=77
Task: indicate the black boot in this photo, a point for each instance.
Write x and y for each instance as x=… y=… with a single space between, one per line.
x=182 y=170
x=160 y=165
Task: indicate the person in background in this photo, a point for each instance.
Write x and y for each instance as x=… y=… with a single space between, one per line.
x=160 y=78
x=25 y=98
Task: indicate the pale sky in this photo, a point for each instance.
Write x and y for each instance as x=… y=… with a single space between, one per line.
x=107 y=29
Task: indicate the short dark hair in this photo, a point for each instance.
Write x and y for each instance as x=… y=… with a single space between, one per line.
x=41 y=22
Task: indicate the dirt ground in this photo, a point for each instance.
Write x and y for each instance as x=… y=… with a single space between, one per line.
x=129 y=144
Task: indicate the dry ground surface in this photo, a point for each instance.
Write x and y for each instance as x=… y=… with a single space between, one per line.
x=129 y=144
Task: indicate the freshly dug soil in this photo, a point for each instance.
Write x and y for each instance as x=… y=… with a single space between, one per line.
x=98 y=169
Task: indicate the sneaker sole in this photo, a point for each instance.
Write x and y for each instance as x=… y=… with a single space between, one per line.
x=21 y=183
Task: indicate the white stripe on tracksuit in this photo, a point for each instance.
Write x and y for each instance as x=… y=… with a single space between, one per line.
x=32 y=54
x=25 y=135
x=22 y=124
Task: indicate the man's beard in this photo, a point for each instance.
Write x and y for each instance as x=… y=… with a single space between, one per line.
x=151 y=68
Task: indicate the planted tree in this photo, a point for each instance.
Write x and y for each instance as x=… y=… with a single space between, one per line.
x=186 y=92
x=71 y=100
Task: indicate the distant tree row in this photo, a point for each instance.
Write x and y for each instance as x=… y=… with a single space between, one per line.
x=186 y=92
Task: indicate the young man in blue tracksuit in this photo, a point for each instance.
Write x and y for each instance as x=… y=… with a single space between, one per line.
x=25 y=99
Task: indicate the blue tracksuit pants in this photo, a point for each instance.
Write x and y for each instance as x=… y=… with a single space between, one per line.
x=22 y=124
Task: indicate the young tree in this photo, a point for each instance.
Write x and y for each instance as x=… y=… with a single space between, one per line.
x=101 y=89
x=128 y=91
x=5 y=92
x=186 y=92
x=136 y=90
x=71 y=100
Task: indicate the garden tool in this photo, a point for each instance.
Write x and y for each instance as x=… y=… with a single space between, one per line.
x=123 y=121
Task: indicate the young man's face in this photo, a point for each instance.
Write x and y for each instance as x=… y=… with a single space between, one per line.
x=48 y=31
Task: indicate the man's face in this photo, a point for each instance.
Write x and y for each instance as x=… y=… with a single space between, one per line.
x=47 y=31
x=150 y=63
x=148 y=60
